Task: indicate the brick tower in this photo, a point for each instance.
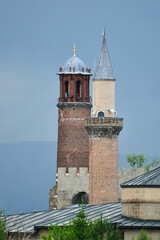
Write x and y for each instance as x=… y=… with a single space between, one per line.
x=73 y=140
x=74 y=106
x=103 y=129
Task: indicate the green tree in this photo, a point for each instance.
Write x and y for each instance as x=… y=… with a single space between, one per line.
x=81 y=228
x=143 y=236
x=140 y=160
x=2 y=225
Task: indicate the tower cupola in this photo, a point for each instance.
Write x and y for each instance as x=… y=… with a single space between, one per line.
x=74 y=81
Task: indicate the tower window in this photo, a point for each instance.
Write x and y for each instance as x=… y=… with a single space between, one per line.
x=66 y=89
x=101 y=114
x=78 y=89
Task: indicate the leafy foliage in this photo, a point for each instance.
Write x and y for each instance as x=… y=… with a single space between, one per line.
x=2 y=225
x=140 y=160
x=143 y=236
x=81 y=228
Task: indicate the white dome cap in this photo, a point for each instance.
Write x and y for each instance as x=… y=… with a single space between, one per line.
x=74 y=64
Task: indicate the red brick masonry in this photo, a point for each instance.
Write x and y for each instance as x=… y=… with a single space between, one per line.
x=73 y=139
x=103 y=159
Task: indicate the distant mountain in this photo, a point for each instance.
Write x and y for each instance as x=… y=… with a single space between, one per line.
x=27 y=173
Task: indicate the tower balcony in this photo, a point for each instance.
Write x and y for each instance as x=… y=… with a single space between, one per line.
x=75 y=99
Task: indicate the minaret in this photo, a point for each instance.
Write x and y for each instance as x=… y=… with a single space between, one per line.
x=104 y=85
x=103 y=129
x=73 y=107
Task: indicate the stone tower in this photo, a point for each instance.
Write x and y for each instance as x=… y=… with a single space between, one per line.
x=103 y=129
x=73 y=140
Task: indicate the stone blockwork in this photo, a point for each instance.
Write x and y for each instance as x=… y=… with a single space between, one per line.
x=103 y=97
x=124 y=175
x=73 y=140
x=53 y=198
x=70 y=184
x=103 y=159
x=136 y=199
x=127 y=174
x=130 y=233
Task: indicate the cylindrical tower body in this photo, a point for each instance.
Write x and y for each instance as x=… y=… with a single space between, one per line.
x=73 y=141
x=104 y=97
x=74 y=106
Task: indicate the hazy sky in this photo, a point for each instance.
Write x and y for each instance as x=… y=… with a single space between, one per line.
x=37 y=37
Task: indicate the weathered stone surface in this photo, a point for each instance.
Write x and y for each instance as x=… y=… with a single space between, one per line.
x=104 y=127
x=70 y=184
x=124 y=175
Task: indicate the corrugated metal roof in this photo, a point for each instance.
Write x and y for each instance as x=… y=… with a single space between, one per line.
x=30 y=222
x=148 y=179
x=104 y=67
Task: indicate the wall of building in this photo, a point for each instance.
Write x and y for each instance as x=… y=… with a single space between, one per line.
x=70 y=184
x=126 y=174
x=130 y=233
x=66 y=180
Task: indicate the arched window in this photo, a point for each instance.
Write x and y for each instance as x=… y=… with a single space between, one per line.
x=66 y=89
x=78 y=89
x=78 y=198
x=101 y=114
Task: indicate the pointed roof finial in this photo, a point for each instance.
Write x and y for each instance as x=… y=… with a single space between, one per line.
x=74 y=51
x=104 y=32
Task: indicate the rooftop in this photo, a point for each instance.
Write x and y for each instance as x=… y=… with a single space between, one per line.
x=104 y=67
x=31 y=222
x=148 y=179
x=74 y=65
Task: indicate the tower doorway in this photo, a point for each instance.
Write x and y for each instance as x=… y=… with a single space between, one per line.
x=79 y=196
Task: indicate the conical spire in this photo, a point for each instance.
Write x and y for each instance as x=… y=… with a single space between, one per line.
x=104 y=67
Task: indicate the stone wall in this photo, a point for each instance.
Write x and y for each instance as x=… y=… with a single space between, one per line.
x=130 y=233
x=69 y=184
x=126 y=174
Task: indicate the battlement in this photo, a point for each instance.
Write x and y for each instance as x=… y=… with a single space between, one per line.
x=71 y=183
x=73 y=172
